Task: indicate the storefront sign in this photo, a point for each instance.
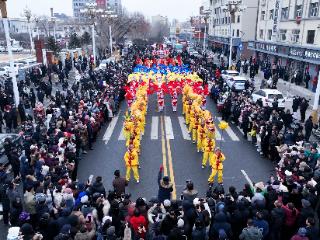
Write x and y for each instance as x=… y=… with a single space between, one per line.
x=267 y=47
x=297 y=52
x=312 y=54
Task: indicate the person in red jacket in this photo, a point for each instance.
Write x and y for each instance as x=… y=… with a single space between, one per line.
x=139 y=224
x=291 y=216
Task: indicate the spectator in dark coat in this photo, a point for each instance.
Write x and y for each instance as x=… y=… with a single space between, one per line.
x=97 y=186
x=119 y=183
x=220 y=224
x=308 y=128
x=312 y=230
x=165 y=187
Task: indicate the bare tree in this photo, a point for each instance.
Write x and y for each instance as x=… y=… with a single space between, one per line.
x=42 y=22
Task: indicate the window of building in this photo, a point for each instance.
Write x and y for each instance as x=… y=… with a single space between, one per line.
x=261 y=34
x=298 y=12
x=295 y=35
x=238 y=33
x=233 y=33
x=238 y=19
x=271 y=14
x=283 y=34
x=263 y=14
x=269 y=34
x=285 y=13
x=314 y=9
x=310 y=36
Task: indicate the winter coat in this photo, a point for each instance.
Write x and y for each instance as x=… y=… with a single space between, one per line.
x=290 y=216
x=251 y=233
x=30 y=203
x=220 y=222
x=298 y=237
x=97 y=187
x=262 y=224
x=164 y=190
x=119 y=185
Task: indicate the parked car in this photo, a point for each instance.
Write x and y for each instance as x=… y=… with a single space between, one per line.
x=104 y=62
x=225 y=74
x=267 y=97
x=236 y=83
x=17 y=141
x=2 y=49
x=17 y=49
x=3 y=72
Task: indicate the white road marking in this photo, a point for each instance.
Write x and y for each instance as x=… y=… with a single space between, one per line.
x=184 y=129
x=247 y=178
x=154 y=128
x=240 y=129
x=110 y=129
x=168 y=127
x=219 y=136
x=230 y=132
x=121 y=136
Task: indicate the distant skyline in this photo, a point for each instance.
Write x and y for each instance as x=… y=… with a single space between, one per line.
x=178 y=9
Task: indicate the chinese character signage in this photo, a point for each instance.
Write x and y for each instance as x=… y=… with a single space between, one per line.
x=276 y=17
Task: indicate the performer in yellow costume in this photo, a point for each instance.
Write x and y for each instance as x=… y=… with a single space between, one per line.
x=216 y=163
x=132 y=162
x=201 y=135
x=209 y=145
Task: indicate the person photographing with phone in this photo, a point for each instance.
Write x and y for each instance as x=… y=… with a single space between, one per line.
x=216 y=163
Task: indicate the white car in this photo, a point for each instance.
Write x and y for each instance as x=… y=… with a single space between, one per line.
x=225 y=74
x=17 y=49
x=236 y=83
x=104 y=62
x=268 y=96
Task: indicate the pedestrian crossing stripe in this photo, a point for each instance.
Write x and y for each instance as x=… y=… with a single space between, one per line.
x=229 y=131
x=170 y=132
x=184 y=129
x=154 y=128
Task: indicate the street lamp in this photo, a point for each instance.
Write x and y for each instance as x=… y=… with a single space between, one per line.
x=205 y=15
x=3 y=8
x=109 y=14
x=27 y=14
x=91 y=11
x=232 y=6
x=36 y=20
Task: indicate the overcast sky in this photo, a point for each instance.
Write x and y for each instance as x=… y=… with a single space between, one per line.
x=180 y=9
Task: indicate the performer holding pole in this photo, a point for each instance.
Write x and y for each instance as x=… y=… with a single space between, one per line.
x=216 y=163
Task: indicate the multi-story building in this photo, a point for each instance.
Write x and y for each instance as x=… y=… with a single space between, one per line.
x=220 y=26
x=288 y=34
x=115 y=5
x=19 y=25
x=77 y=5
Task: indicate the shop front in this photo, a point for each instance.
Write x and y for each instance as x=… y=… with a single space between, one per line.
x=221 y=45
x=293 y=58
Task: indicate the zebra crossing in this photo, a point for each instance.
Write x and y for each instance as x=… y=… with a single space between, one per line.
x=174 y=126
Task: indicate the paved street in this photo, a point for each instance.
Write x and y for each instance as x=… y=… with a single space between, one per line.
x=175 y=151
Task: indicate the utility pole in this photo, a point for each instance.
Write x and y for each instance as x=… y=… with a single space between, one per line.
x=3 y=8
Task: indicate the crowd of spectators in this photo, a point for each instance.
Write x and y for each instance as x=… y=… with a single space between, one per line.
x=54 y=205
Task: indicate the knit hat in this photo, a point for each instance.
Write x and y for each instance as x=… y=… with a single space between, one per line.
x=84 y=199
x=180 y=223
x=66 y=229
x=305 y=203
x=105 y=219
x=26 y=229
x=302 y=232
x=167 y=203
